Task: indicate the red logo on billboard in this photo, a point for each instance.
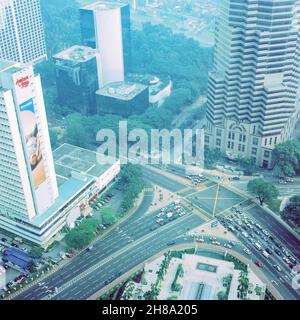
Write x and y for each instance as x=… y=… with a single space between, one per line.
x=23 y=82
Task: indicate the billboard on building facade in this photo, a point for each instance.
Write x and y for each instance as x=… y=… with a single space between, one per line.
x=24 y=92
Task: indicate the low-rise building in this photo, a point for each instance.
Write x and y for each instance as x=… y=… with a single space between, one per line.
x=123 y=98
x=159 y=88
x=80 y=178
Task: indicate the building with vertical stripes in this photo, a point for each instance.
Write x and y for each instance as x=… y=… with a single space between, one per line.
x=22 y=36
x=253 y=92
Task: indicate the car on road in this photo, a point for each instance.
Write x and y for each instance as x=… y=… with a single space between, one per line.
x=277 y=268
x=258 y=263
x=245 y=234
x=216 y=243
x=286 y=260
x=278 y=252
x=269 y=251
x=201 y=240
x=227 y=245
x=247 y=251
x=258 y=226
x=265 y=254
x=266 y=232
x=258 y=246
x=171 y=243
x=90 y=248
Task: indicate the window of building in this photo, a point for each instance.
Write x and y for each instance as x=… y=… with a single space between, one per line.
x=218 y=142
x=243 y=148
x=254 y=151
x=240 y=147
x=228 y=145
x=232 y=145
x=206 y=139
x=255 y=141
x=219 y=132
x=266 y=141
x=267 y=154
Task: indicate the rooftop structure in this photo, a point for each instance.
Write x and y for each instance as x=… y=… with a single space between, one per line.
x=76 y=54
x=122 y=90
x=77 y=78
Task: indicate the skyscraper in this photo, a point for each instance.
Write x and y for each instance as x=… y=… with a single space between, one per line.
x=253 y=87
x=105 y=26
x=28 y=184
x=22 y=36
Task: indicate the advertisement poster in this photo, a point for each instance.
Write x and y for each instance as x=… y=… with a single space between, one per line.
x=33 y=145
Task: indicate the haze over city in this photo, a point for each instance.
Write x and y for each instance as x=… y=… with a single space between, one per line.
x=149 y=151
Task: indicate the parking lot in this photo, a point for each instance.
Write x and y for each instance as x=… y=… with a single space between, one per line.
x=13 y=274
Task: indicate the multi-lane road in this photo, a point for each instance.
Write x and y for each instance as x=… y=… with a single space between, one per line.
x=140 y=237
x=131 y=243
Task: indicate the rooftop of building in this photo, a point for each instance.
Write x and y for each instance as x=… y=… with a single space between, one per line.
x=69 y=158
x=75 y=168
x=122 y=90
x=104 y=5
x=76 y=54
x=155 y=83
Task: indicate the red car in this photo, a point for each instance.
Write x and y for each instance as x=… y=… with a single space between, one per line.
x=258 y=263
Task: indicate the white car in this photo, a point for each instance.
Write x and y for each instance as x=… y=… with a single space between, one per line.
x=247 y=251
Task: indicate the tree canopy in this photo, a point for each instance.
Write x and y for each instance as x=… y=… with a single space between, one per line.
x=286 y=157
x=291 y=212
x=263 y=190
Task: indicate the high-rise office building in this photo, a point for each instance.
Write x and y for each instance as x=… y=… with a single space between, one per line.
x=253 y=87
x=28 y=185
x=105 y=26
x=22 y=36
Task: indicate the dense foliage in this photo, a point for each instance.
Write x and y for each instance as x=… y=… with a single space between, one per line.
x=291 y=212
x=132 y=184
x=82 y=235
x=155 y=49
x=263 y=190
x=286 y=157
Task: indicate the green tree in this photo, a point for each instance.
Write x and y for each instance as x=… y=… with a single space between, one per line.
x=222 y=295
x=108 y=216
x=243 y=285
x=248 y=165
x=211 y=156
x=76 y=132
x=292 y=211
x=132 y=183
x=286 y=157
x=82 y=235
x=36 y=252
x=264 y=191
